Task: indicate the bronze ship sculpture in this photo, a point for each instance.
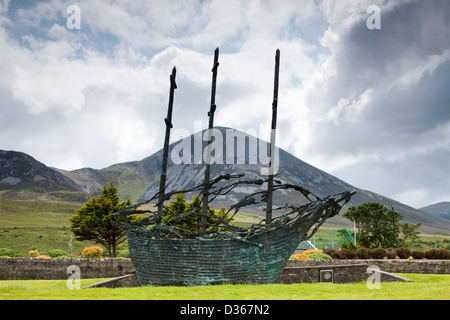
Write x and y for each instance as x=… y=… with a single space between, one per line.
x=165 y=254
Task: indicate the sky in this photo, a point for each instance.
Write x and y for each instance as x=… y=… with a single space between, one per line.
x=363 y=95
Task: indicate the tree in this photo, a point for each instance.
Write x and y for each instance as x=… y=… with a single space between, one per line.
x=95 y=220
x=380 y=227
x=188 y=215
x=346 y=237
x=409 y=233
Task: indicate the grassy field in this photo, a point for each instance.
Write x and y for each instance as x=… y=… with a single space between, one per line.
x=34 y=224
x=44 y=225
x=423 y=287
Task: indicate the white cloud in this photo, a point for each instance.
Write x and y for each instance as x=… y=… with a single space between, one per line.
x=348 y=97
x=416 y=70
x=348 y=110
x=414 y=197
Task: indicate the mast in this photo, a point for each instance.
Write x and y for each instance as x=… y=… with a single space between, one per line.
x=168 y=121
x=272 y=138
x=210 y=126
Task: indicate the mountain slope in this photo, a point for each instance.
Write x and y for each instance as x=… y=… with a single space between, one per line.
x=296 y=171
x=21 y=171
x=139 y=180
x=440 y=209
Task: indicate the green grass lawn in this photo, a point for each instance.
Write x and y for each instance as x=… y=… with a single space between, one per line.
x=423 y=287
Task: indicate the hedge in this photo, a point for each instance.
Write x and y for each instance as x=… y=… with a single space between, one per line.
x=381 y=253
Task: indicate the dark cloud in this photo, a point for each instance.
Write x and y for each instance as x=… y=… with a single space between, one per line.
x=391 y=119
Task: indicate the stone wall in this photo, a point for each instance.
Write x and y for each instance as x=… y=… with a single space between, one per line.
x=422 y=266
x=295 y=271
x=310 y=274
x=54 y=269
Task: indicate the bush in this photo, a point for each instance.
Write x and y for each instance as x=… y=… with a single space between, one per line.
x=92 y=252
x=33 y=253
x=7 y=253
x=337 y=254
x=345 y=254
x=403 y=253
x=363 y=253
x=305 y=255
x=442 y=254
x=320 y=256
x=437 y=254
x=431 y=254
x=391 y=254
x=349 y=246
x=124 y=254
x=329 y=251
x=418 y=254
x=378 y=253
x=310 y=251
x=301 y=256
x=56 y=253
x=351 y=254
x=43 y=256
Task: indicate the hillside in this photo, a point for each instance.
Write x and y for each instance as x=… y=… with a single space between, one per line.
x=440 y=209
x=138 y=180
x=19 y=171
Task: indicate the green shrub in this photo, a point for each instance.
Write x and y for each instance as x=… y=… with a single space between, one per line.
x=378 y=253
x=56 y=253
x=124 y=254
x=320 y=256
x=403 y=253
x=349 y=246
x=7 y=253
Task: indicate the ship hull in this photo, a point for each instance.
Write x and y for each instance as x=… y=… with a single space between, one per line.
x=195 y=262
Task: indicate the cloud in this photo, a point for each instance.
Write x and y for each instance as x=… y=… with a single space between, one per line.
x=384 y=104
x=354 y=102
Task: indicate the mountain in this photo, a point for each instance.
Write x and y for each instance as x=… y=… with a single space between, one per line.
x=20 y=171
x=139 y=180
x=440 y=209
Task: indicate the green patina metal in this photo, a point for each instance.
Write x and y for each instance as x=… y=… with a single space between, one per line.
x=164 y=254
x=257 y=254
